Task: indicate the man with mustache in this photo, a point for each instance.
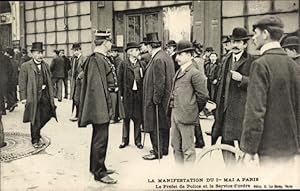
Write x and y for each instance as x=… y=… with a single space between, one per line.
x=232 y=91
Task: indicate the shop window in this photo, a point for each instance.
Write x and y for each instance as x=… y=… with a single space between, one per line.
x=73 y=36
x=40 y=14
x=230 y=23
x=151 y=21
x=73 y=23
x=50 y=12
x=30 y=28
x=85 y=35
x=61 y=37
x=287 y=5
x=232 y=8
x=50 y=25
x=134 y=28
x=85 y=21
x=29 y=15
x=60 y=11
x=258 y=7
x=51 y=38
x=85 y=7
x=40 y=26
x=72 y=9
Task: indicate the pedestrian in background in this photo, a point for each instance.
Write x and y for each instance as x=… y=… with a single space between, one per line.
x=36 y=92
x=77 y=66
x=130 y=76
x=291 y=45
x=170 y=48
x=66 y=72
x=271 y=127
x=57 y=68
x=145 y=55
x=96 y=107
x=189 y=96
x=24 y=57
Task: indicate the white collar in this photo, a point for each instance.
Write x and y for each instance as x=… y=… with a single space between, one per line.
x=237 y=56
x=269 y=45
x=155 y=51
x=184 y=66
x=78 y=56
x=172 y=54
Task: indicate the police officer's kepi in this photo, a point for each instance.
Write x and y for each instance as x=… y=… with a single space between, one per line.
x=101 y=35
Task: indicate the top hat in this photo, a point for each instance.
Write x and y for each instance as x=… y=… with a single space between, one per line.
x=269 y=20
x=184 y=46
x=152 y=37
x=101 y=35
x=131 y=45
x=10 y=51
x=239 y=33
x=24 y=51
x=209 y=49
x=290 y=41
x=37 y=46
x=225 y=39
x=76 y=45
x=171 y=43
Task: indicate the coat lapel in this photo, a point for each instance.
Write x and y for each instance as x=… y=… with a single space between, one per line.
x=239 y=63
x=152 y=57
x=32 y=65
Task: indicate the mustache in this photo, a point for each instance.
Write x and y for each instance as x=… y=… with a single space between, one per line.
x=236 y=48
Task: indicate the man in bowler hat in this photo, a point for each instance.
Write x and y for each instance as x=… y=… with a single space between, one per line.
x=36 y=92
x=156 y=93
x=95 y=105
x=291 y=45
x=231 y=93
x=271 y=127
x=170 y=48
x=188 y=97
x=145 y=56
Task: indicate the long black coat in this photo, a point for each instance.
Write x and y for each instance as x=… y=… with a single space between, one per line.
x=231 y=106
x=5 y=73
x=126 y=79
x=272 y=125
x=157 y=90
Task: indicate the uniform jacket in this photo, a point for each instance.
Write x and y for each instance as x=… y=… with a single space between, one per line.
x=126 y=79
x=231 y=99
x=29 y=89
x=95 y=103
x=57 y=67
x=157 y=90
x=271 y=125
x=75 y=71
x=189 y=95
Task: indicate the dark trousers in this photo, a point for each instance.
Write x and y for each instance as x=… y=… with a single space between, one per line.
x=12 y=97
x=57 y=87
x=229 y=157
x=35 y=128
x=126 y=131
x=2 y=104
x=198 y=135
x=98 y=150
x=65 y=80
x=164 y=140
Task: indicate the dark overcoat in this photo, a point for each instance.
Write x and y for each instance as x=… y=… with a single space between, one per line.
x=5 y=72
x=271 y=125
x=95 y=105
x=157 y=90
x=28 y=88
x=126 y=79
x=75 y=71
x=231 y=105
x=57 y=67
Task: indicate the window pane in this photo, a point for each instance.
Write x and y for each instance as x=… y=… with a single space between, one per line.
x=230 y=24
x=73 y=36
x=40 y=38
x=59 y=2
x=287 y=5
x=51 y=38
x=49 y=51
x=72 y=9
x=40 y=26
x=39 y=13
x=73 y=23
x=60 y=24
x=256 y=7
x=30 y=27
x=232 y=8
x=151 y=23
x=85 y=35
x=61 y=37
x=85 y=22
x=290 y=20
x=86 y=49
x=62 y=46
x=50 y=12
x=60 y=11
x=134 y=29
x=85 y=7
x=29 y=39
x=39 y=4
x=49 y=3
x=29 y=15
x=50 y=25
x=29 y=4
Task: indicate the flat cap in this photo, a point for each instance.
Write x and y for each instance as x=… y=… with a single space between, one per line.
x=269 y=20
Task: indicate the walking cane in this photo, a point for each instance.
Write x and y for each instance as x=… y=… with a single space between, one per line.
x=157 y=128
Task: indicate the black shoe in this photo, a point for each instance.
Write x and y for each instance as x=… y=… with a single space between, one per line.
x=140 y=146
x=59 y=100
x=123 y=145
x=66 y=97
x=151 y=157
x=106 y=179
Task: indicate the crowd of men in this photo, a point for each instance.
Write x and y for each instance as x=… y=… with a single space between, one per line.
x=163 y=92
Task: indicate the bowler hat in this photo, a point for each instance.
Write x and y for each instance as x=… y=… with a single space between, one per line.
x=37 y=46
x=209 y=49
x=131 y=45
x=184 y=46
x=171 y=43
x=269 y=20
x=290 y=41
x=24 y=51
x=239 y=33
x=152 y=37
x=76 y=45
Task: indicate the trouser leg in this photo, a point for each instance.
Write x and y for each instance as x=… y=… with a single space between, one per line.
x=188 y=147
x=198 y=135
x=137 y=131
x=98 y=150
x=176 y=142
x=66 y=86
x=154 y=141
x=113 y=96
x=11 y=98
x=165 y=140
x=126 y=130
x=59 y=88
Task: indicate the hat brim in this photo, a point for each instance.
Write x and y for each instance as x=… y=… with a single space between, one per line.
x=184 y=50
x=289 y=45
x=41 y=50
x=130 y=47
x=236 y=38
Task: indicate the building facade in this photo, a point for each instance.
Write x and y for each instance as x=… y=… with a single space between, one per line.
x=58 y=24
